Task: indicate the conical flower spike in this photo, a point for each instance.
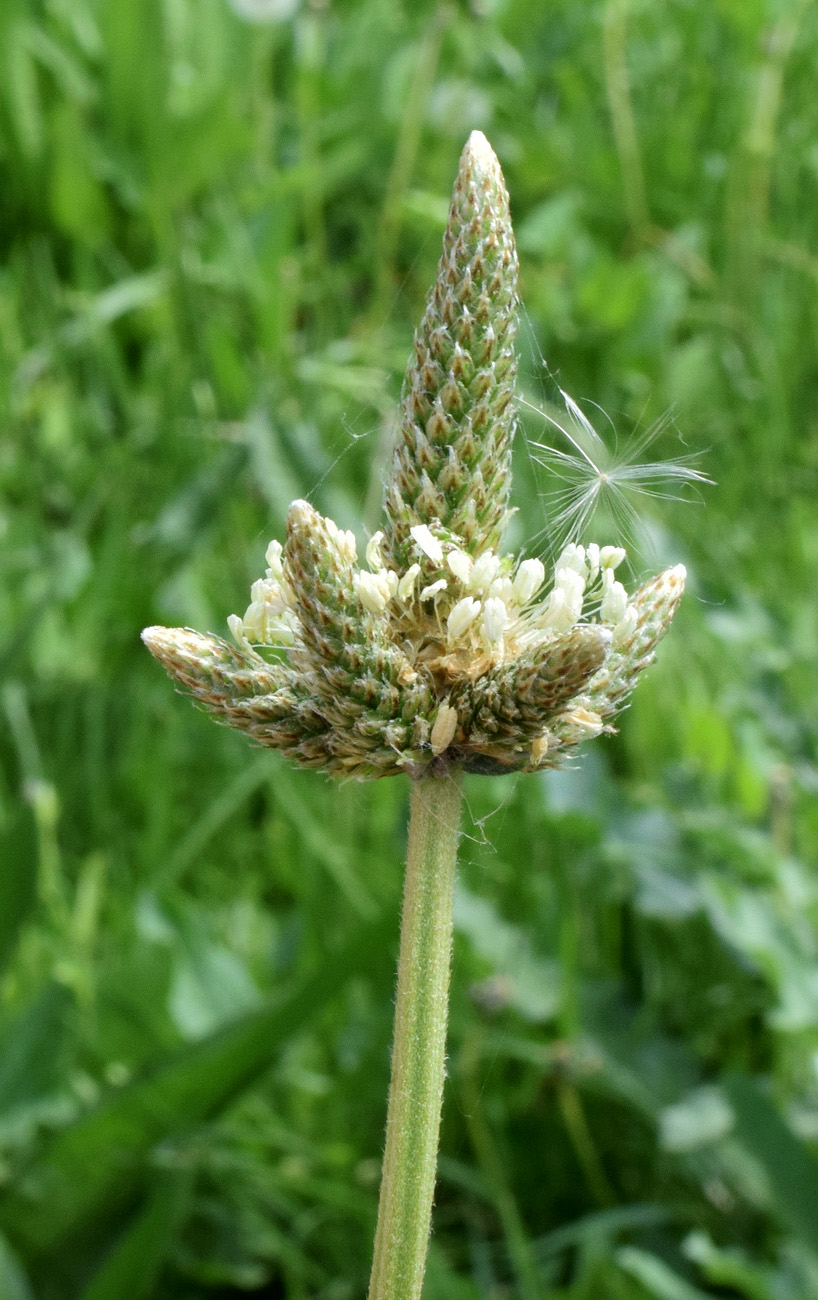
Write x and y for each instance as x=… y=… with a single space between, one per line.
x=438 y=653
x=452 y=463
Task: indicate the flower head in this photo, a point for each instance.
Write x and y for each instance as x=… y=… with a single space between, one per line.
x=441 y=651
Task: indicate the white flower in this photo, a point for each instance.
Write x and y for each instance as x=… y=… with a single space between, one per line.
x=406 y=585
x=445 y=725
x=579 y=723
x=528 y=579
x=573 y=584
x=503 y=588
x=344 y=541
x=274 y=560
x=426 y=542
x=373 y=552
x=573 y=557
x=373 y=591
x=614 y=602
x=592 y=560
x=610 y=557
x=271 y=594
x=564 y=605
x=484 y=571
x=237 y=628
x=462 y=616
x=625 y=628
x=255 y=623
x=433 y=589
x=460 y=564
x=495 y=621
x=262 y=625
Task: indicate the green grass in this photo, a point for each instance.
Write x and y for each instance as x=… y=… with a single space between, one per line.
x=215 y=237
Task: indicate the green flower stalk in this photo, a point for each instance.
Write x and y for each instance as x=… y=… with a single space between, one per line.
x=436 y=656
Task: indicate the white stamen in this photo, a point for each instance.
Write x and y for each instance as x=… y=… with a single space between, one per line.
x=406 y=584
x=484 y=571
x=528 y=579
x=573 y=557
x=373 y=590
x=264 y=626
x=503 y=588
x=462 y=616
x=460 y=564
x=237 y=628
x=426 y=542
x=564 y=605
x=347 y=546
x=614 y=603
x=433 y=589
x=583 y=722
x=495 y=621
x=344 y=542
x=274 y=560
x=610 y=557
x=373 y=552
x=625 y=628
x=271 y=594
x=592 y=558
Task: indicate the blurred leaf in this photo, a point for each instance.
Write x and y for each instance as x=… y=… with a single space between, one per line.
x=791 y=1169
x=30 y=1048
x=133 y=1264
x=729 y=1268
x=97 y=1163
x=529 y=983
x=211 y=986
x=605 y=1225
x=655 y=1275
x=13 y=1282
x=702 y=1117
x=18 y=877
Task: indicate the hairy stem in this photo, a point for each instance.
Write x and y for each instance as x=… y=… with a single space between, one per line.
x=419 y=1051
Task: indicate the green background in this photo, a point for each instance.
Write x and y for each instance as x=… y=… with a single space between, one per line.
x=216 y=234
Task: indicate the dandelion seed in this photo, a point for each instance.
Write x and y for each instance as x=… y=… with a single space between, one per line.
x=592 y=476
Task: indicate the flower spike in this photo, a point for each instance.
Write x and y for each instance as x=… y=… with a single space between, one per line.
x=452 y=462
x=437 y=652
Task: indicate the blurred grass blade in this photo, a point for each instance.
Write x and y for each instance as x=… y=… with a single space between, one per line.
x=603 y=1225
x=18 y=878
x=96 y=1165
x=656 y=1276
x=13 y=1282
x=202 y=830
x=30 y=1048
x=791 y=1169
x=133 y=1265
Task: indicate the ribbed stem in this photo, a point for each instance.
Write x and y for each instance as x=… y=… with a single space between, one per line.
x=419 y=1051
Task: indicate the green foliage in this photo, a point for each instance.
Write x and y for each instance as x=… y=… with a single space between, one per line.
x=216 y=236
